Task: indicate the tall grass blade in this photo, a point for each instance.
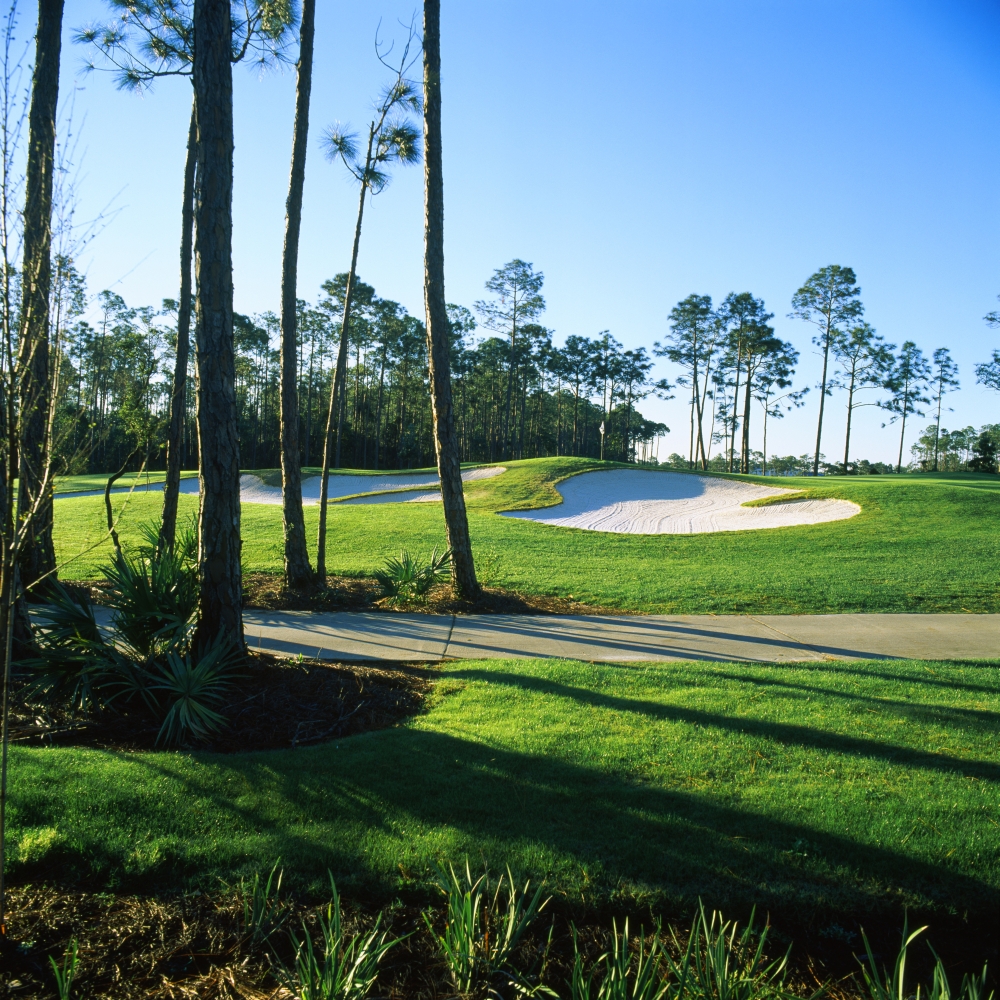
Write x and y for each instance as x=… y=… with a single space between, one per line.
x=263 y=909
x=889 y=984
x=66 y=973
x=344 y=967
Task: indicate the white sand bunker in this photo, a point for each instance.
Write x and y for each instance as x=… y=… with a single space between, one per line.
x=188 y=485
x=254 y=490
x=642 y=502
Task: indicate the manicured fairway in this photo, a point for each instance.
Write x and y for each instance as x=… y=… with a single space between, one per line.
x=815 y=789
x=920 y=543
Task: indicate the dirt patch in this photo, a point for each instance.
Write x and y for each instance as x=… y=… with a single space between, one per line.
x=198 y=945
x=277 y=704
x=267 y=592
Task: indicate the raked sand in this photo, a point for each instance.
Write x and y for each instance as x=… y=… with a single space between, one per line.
x=642 y=502
x=254 y=490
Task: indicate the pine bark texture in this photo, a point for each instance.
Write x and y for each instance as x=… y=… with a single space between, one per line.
x=220 y=604
x=298 y=573
x=37 y=557
x=463 y=570
x=178 y=397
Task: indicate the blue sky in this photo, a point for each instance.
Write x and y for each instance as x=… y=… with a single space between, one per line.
x=635 y=153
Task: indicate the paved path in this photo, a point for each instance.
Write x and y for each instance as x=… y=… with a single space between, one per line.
x=763 y=638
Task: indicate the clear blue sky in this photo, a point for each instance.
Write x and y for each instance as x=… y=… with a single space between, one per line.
x=635 y=153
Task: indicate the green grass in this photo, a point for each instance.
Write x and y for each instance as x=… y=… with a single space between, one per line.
x=813 y=789
x=921 y=543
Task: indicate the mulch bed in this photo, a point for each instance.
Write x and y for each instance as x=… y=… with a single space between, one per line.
x=277 y=704
x=267 y=592
x=195 y=945
x=344 y=593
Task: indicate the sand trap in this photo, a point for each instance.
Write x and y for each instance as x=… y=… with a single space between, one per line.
x=642 y=502
x=189 y=485
x=254 y=490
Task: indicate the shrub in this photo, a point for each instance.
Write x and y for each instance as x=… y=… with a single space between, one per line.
x=405 y=579
x=890 y=984
x=263 y=909
x=191 y=691
x=626 y=976
x=722 y=962
x=146 y=658
x=66 y=973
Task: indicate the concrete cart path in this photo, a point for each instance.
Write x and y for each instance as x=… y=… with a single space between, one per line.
x=351 y=635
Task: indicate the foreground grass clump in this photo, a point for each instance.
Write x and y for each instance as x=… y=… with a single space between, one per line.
x=920 y=543
x=829 y=793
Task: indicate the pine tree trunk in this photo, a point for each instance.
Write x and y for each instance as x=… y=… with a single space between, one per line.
x=178 y=396
x=37 y=556
x=850 y=413
x=822 y=390
x=220 y=603
x=298 y=573
x=745 y=444
x=463 y=570
x=334 y=420
x=902 y=433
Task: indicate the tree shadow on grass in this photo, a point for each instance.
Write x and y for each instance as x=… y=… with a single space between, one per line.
x=790 y=734
x=402 y=798
x=948 y=715
x=913 y=677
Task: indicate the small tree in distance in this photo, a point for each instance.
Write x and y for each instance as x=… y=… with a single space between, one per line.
x=691 y=345
x=865 y=361
x=775 y=372
x=988 y=373
x=945 y=377
x=907 y=381
x=517 y=287
x=830 y=301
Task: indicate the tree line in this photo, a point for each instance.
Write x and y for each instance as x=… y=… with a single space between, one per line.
x=731 y=359
x=516 y=396
x=516 y=393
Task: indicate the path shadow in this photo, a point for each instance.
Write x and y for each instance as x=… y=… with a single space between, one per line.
x=642 y=637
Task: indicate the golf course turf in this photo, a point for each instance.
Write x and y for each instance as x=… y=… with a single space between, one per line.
x=920 y=543
x=827 y=794
x=829 y=791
